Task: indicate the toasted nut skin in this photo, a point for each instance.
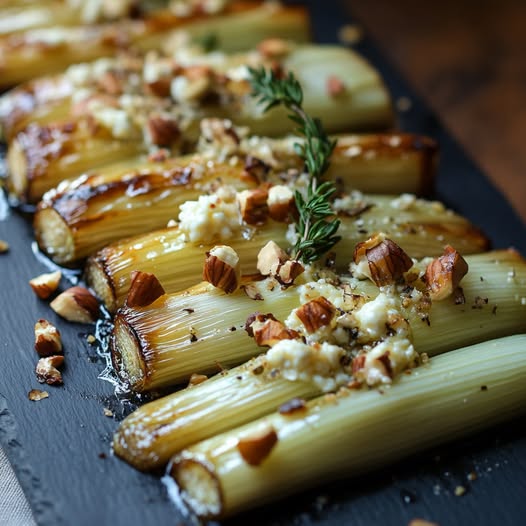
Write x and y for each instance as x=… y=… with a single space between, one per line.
x=47 y=371
x=145 y=288
x=76 y=304
x=162 y=131
x=335 y=86
x=289 y=271
x=47 y=338
x=386 y=260
x=197 y=379
x=253 y=205
x=270 y=332
x=281 y=203
x=316 y=313
x=222 y=268
x=256 y=448
x=273 y=47
x=443 y=274
x=256 y=168
x=45 y=284
x=270 y=258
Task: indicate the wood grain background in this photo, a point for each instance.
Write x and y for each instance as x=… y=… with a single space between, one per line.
x=467 y=59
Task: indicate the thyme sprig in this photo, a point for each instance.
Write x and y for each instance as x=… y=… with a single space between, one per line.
x=316 y=227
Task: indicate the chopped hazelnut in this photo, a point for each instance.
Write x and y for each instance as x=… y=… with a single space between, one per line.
x=47 y=371
x=316 y=313
x=273 y=47
x=270 y=258
x=45 y=284
x=47 y=338
x=289 y=271
x=335 y=86
x=253 y=205
x=222 y=268
x=269 y=331
x=4 y=246
x=163 y=131
x=443 y=274
x=281 y=203
x=76 y=304
x=110 y=82
x=197 y=379
x=35 y=395
x=256 y=168
x=145 y=288
x=387 y=262
x=254 y=449
x=108 y=412
x=252 y=292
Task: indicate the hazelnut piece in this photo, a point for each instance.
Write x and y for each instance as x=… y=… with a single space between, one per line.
x=443 y=274
x=76 y=304
x=316 y=313
x=145 y=288
x=253 y=205
x=45 y=284
x=222 y=268
x=47 y=371
x=255 y=448
x=47 y=338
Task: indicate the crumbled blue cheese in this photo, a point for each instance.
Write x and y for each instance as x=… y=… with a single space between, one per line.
x=404 y=202
x=213 y=217
x=373 y=316
x=115 y=120
x=400 y=353
x=320 y=363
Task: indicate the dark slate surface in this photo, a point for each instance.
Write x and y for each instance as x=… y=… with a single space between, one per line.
x=59 y=447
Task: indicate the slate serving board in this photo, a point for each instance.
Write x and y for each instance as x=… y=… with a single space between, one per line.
x=60 y=450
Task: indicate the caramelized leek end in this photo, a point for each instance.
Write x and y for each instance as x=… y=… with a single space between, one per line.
x=458 y=393
x=43 y=154
x=193 y=331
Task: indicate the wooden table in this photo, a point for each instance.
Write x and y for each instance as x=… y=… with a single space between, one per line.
x=468 y=61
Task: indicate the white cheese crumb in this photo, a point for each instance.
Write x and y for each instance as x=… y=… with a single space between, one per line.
x=210 y=218
x=320 y=364
x=372 y=317
x=404 y=202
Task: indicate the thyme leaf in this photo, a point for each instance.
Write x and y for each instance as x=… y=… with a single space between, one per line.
x=317 y=226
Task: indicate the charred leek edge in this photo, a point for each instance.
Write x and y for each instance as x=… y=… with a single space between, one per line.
x=195 y=330
x=345 y=435
x=72 y=225
x=40 y=156
x=421 y=230
x=240 y=26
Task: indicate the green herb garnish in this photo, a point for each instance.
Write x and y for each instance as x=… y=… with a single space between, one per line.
x=317 y=226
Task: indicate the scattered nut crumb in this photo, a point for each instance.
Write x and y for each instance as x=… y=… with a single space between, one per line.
x=108 y=412
x=4 y=246
x=47 y=371
x=47 y=338
x=459 y=491
x=35 y=395
x=472 y=476
x=91 y=339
